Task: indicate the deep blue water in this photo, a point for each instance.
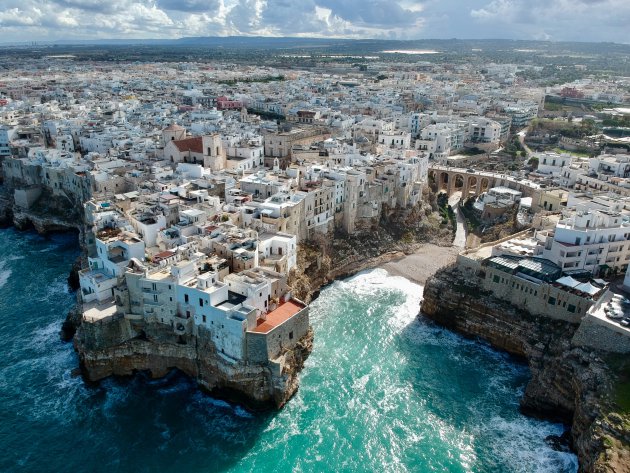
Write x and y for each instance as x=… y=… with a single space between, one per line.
x=381 y=392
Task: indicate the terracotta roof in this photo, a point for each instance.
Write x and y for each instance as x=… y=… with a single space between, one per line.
x=194 y=145
x=278 y=316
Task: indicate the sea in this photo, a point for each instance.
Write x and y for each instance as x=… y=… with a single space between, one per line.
x=383 y=391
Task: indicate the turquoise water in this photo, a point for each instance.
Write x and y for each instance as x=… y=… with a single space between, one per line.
x=382 y=392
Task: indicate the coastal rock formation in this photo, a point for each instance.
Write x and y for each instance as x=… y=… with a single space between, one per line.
x=399 y=232
x=6 y=213
x=569 y=383
x=119 y=347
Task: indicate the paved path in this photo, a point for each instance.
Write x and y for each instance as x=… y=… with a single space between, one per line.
x=521 y=137
x=460 y=234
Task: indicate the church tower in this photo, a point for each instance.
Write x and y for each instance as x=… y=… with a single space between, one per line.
x=173 y=132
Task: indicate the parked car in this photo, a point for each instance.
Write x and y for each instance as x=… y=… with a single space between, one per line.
x=613 y=314
x=625 y=323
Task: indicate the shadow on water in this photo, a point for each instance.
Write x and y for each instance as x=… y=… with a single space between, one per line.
x=166 y=425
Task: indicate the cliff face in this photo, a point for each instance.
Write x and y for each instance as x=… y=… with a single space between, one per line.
x=337 y=255
x=49 y=214
x=118 y=347
x=568 y=384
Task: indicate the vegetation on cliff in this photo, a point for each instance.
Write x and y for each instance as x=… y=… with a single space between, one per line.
x=398 y=232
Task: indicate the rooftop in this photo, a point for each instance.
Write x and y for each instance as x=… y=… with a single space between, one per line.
x=278 y=316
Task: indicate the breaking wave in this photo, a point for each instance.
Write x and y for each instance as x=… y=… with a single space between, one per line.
x=382 y=391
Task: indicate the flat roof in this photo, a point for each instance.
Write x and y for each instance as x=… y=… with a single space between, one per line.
x=278 y=316
x=540 y=266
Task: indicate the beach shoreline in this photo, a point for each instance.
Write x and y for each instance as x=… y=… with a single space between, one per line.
x=422 y=263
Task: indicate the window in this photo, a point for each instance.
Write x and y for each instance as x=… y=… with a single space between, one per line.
x=200 y=302
x=154 y=286
x=290 y=335
x=495 y=278
x=204 y=319
x=571 y=308
x=552 y=301
x=186 y=298
x=187 y=314
x=155 y=298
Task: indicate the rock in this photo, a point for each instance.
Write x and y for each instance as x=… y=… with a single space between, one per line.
x=113 y=347
x=568 y=384
x=73 y=277
x=71 y=324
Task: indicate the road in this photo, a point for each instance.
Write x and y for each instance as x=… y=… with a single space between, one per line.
x=460 y=234
x=521 y=138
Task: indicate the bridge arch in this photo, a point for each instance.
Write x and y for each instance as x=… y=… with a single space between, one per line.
x=458 y=183
x=484 y=185
x=471 y=187
x=443 y=182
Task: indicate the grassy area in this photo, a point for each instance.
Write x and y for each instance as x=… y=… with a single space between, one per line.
x=446 y=211
x=470 y=215
x=622 y=396
x=581 y=154
x=620 y=365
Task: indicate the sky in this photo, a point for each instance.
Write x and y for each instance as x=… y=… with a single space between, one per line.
x=556 y=20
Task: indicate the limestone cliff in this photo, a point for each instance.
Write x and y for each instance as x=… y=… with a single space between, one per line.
x=50 y=213
x=338 y=255
x=569 y=384
x=120 y=347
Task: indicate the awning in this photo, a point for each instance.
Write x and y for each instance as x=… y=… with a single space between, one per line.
x=568 y=281
x=587 y=288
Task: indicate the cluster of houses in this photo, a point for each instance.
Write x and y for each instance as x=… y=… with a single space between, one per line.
x=195 y=197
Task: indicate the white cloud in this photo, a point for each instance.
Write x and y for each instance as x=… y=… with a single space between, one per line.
x=595 y=20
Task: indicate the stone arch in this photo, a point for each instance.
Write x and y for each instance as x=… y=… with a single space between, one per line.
x=471 y=187
x=485 y=185
x=458 y=183
x=443 y=182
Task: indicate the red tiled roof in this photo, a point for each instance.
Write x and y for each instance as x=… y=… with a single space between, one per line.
x=278 y=316
x=194 y=145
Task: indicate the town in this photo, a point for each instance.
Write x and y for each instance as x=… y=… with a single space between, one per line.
x=213 y=199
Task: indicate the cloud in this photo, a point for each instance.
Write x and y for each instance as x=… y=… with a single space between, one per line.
x=584 y=20
x=576 y=20
x=372 y=13
x=192 y=6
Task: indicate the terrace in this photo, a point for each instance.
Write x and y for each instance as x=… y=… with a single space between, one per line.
x=278 y=316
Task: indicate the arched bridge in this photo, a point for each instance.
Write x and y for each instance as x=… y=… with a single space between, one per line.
x=469 y=183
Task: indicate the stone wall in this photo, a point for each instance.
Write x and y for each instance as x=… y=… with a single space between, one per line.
x=104 y=333
x=268 y=346
x=594 y=334
x=121 y=347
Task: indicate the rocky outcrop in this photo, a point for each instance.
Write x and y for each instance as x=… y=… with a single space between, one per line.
x=6 y=210
x=119 y=347
x=338 y=255
x=43 y=224
x=568 y=383
x=71 y=323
